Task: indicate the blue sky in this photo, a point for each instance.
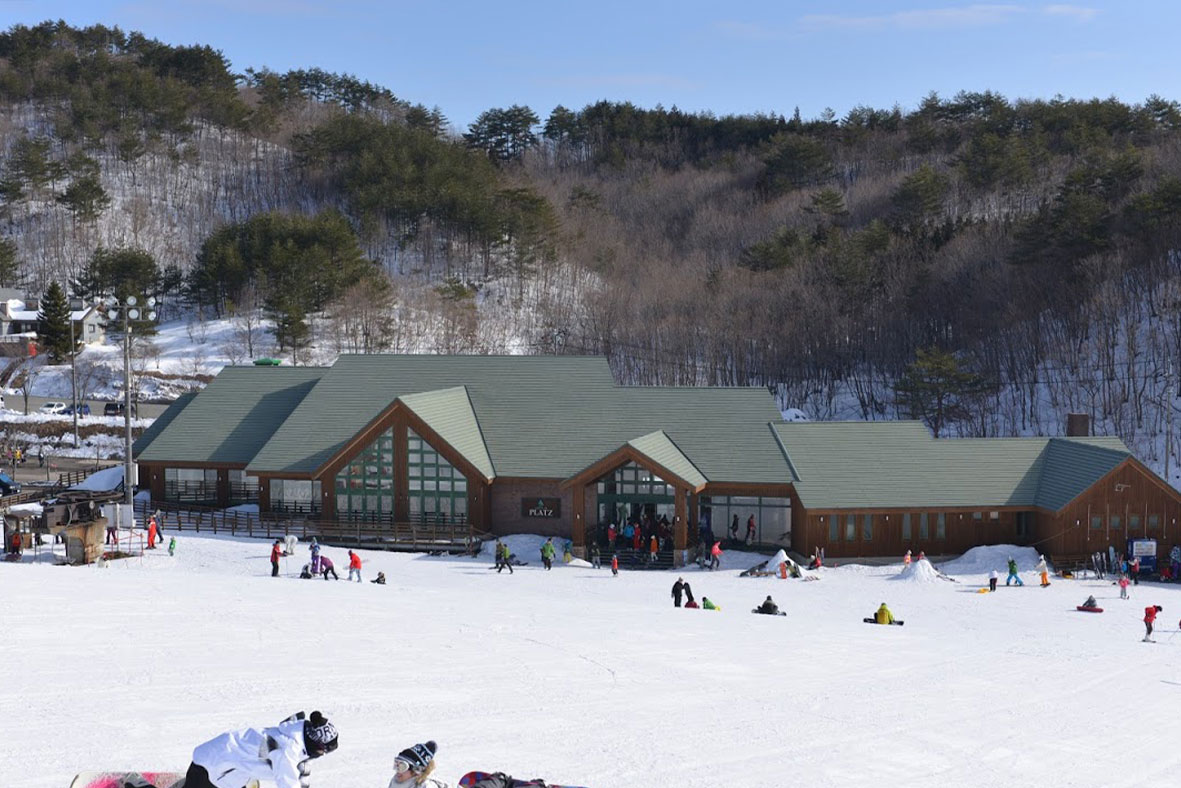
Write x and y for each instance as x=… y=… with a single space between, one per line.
x=740 y=57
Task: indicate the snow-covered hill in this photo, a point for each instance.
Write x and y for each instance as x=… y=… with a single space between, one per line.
x=584 y=678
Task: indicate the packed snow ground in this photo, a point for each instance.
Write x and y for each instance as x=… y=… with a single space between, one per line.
x=583 y=678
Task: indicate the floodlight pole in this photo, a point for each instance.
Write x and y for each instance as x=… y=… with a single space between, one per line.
x=128 y=486
x=74 y=377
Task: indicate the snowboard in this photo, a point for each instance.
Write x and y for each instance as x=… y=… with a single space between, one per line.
x=756 y=610
x=1089 y=609
x=895 y=623
x=471 y=778
x=129 y=780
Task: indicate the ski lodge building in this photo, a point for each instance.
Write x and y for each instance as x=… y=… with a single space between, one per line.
x=552 y=445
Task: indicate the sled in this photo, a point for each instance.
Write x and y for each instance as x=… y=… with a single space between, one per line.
x=471 y=778
x=984 y=591
x=1089 y=609
x=129 y=780
x=895 y=622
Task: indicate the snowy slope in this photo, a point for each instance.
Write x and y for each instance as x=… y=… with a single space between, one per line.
x=577 y=676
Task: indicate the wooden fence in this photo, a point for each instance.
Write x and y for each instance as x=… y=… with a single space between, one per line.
x=388 y=535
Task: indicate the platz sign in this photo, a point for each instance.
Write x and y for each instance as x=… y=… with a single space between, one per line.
x=541 y=507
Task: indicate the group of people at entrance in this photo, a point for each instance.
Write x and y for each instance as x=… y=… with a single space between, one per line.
x=643 y=536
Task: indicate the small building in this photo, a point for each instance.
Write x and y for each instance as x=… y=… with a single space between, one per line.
x=552 y=445
x=19 y=317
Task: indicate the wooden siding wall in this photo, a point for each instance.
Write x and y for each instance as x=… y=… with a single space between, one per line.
x=811 y=530
x=1126 y=492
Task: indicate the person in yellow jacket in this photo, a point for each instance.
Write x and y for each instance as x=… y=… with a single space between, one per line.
x=884 y=616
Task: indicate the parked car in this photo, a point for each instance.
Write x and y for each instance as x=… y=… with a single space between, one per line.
x=52 y=407
x=116 y=409
x=83 y=409
x=8 y=485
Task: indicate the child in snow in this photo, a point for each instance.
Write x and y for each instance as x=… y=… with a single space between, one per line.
x=315 y=548
x=414 y=765
x=1123 y=587
x=884 y=616
x=1090 y=602
x=1150 y=618
x=380 y=579
x=1041 y=568
x=992 y=578
x=306 y=572
x=705 y=603
x=326 y=567
x=906 y=560
x=1013 y=573
x=768 y=608
x=279 y=754
x=615 y=566
x=172 y=546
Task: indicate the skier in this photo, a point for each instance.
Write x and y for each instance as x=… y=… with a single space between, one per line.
x=547 y=553
x=884 y=616
x=678 y=589
x=276 y=551
x=414 y=765
x=1123 y=587
x=172 y=545
x=715 y=556
x=279 y=754
x=615 y=566
x=326 y=567
x=1013 y=573
x=354 y=566
x=768 y=608
x=315 y=548
x=1041 y=568
x=992 y=578
x=1149 y=618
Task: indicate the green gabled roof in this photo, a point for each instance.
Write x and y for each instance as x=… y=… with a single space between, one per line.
x=160 y=422
x=848 y=465
x=449 y=413
x=660 y=449
x=523 y=390
x=1071 y=466
x=232 y=417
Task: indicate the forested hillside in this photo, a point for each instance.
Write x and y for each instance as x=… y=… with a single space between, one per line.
x=1025 y=252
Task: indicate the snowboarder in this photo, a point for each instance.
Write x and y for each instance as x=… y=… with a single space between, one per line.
x=279 y=754
x=354 y=566
x=615 y=566
x=547 y=553
x=276 y=551
x=1013 y=573
x=884 y=616
x=715 y=556
x=992 y=578
x=768 y=608
x=1042 y=569
x=172 y=545
x=1090 y=603
x=380 y=579
x=1123 y=587
x=326 y=567
x=414 y=765
x=678 y=589
x=705 y=603
x=595 y=556
x=1149 y=618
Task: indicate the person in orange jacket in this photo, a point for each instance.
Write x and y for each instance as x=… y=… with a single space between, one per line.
x=1149 y=618
x=152 y=529
x=615 y=565
x=276 y=552
x=653 y=548
x=715 y=556
x=354 y=566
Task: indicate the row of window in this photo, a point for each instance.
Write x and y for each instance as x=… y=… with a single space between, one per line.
x=847 y=526
x=1115 y=521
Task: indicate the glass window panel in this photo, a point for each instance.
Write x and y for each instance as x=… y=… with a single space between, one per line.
x=1116 y=521
x=906 y=526
x=1096 y=522
x=867 y=527
x=941 y=527
x=415 y=504
x=776 y=501
x=415 y=458
x=428 y=484
x=415 y=484
x=1153 y=521
x=444 y=485
x=924 y=529
x=459 y=505
x=834 y=528
x=850 y=528
x=460 y=485
x=1133 y=521
x=744 y=501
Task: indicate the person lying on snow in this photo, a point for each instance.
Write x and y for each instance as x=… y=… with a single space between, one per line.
x=413 y=767
x=279 y=754
x=768 y=608
x=706 y=604
x=1090 y=602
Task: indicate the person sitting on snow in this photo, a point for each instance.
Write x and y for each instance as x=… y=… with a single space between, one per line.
x=380 y=579
x=884 y=616
x=768 y=608
x=1090 y=602
x=414 y=765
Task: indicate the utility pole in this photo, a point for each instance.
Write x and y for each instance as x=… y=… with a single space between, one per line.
x=1168 y=417
x=129 y=312
x=74 y=377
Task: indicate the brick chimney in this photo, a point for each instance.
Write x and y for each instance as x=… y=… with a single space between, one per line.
x=1078 y=425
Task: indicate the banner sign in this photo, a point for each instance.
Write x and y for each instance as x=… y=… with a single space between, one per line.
x=541 y=507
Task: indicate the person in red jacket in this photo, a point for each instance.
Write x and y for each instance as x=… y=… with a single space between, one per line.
x=1150 y=617
x=615 y=565
x=276 y=551
x=715 y=556
x=354 y=566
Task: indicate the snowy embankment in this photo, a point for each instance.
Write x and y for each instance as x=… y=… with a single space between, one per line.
x=588 y=679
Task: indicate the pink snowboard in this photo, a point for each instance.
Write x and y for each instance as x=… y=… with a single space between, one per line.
x=129 y=780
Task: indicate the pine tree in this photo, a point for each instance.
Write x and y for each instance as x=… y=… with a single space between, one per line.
x=54 y=324
x=937 y=390
x=9 y=265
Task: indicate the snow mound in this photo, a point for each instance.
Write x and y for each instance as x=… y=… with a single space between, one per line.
x=982 y=560
x=919 y=571
x=106 y=480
